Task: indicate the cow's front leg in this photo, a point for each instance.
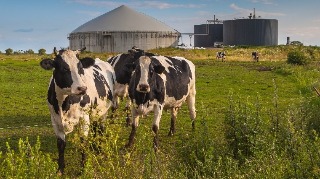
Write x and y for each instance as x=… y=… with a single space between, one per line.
x=61 y=144
x=135 y=123
x=174 y=112
x=85 y=127
x=156 y=123
x=128 y=104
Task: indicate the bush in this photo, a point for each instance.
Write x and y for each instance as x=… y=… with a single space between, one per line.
x=9 y=51
x=297 y=58
x=42 y=51
x=30 y=51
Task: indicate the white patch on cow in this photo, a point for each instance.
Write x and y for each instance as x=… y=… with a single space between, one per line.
x=144 y=62
x=71 y=59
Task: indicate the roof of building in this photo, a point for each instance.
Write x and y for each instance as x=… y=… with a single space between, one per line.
x=124 y=18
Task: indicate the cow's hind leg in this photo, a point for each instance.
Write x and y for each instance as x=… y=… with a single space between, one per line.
x=174 y=112
x=128 y=104
x=191 y=100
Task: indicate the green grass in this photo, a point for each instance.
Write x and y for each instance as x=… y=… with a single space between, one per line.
x=254 y=120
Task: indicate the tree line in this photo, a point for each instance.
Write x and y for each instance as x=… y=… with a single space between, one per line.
x=10 y=51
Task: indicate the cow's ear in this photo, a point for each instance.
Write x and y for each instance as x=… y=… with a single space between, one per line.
x=87 y=62
x=47 y=64
x=159 y=69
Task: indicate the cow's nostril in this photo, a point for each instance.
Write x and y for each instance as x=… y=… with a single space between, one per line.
x=143 y=87
x=82 y=89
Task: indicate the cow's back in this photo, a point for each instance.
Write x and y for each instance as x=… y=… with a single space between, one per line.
x=179 y=79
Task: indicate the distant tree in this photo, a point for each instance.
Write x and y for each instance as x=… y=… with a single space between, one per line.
x=296 y=43
x=9 y=51
x=42 y=51
x=30 y=51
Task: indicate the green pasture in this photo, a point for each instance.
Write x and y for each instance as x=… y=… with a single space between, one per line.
x=254 y=120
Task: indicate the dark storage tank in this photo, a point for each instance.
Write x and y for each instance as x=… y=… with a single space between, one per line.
x=258 y=32
x=214 y=34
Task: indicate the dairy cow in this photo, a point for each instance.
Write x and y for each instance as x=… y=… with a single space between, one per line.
x=159 y=83
x=221 y=55
x=79 y=91
x=123 y=75
x=255 y=56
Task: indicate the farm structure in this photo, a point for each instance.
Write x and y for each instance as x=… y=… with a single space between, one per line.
x=246 y=31
x=121 y=29
x=257 y=32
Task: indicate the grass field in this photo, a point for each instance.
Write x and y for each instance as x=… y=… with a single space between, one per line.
x=254 y=120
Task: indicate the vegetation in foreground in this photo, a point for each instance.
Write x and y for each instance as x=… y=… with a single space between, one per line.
x=255 y=120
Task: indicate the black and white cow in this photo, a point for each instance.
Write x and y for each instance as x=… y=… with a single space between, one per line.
x=255 y=56
x=78 y=90
x=221 y=55
x=158 y=83
x=123 y=74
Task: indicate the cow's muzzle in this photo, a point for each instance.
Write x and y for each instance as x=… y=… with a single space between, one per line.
x=143 y=88
x=82 y=90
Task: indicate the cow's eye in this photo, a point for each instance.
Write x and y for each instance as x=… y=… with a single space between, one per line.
x=65 y=69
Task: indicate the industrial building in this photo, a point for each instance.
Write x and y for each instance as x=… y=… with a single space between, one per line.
x=121 y=29
x=245 y=31
x=209 y=34
x=256 y=32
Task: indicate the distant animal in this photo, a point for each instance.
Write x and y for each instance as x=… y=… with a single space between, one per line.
x=78 y=90
x=255 y=56
x=123 y=75
x=221 y=55
x=159 y=83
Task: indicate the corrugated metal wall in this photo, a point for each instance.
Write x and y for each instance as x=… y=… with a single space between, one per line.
x=259 y=32
x=122 y=41
x=215 y=34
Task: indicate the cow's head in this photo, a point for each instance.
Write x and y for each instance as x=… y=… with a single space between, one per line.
x=145 y=71
x=68 y=70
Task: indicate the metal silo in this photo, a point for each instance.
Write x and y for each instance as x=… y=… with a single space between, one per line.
x=121 y=29
x=205 y=35
x=257 y=32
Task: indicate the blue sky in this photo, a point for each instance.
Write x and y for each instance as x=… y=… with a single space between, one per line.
x=45 y=24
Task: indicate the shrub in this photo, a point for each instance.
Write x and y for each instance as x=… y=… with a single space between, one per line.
x=9 y=51
x=42 y=51
x=297 y=58
x=30 y=51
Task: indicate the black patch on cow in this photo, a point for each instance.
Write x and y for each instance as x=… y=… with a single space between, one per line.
x=85 y=100
x=97 y=67
x=100 y=83
x=112 y=60
x=80 y=69
x=69 y=100
x=87 y=62
x=95 y=102
x=178 y=78
x=73 y=99
x=62 y=73
x=52 y=97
